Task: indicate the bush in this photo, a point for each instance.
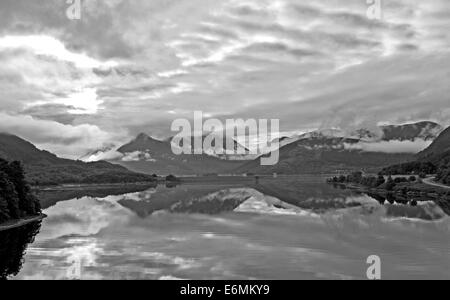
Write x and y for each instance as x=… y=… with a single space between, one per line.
x=172 y=178
x=400 y=180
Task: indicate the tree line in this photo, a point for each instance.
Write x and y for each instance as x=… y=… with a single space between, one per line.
x=16 y=198
x=373 y=181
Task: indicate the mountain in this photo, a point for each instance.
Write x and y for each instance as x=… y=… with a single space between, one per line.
x=438 y=150
x=439 y=154
x=45 y=168
x=421 y=130
x=235 y=152
x=317 y=153
x=426 y=131
x=148 y=155
x=434 y=159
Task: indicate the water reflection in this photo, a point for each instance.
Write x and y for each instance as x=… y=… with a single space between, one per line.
x=13 y=245
x=269 y=230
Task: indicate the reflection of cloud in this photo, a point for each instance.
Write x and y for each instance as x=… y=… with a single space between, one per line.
x=91 y=217
x=62 y=219
x=233 y=245
x=68 y=261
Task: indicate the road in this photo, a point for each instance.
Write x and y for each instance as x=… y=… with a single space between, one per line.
x=430 y=181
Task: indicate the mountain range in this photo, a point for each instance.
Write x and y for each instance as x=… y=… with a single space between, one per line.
x=324 y=151
x=45 y=168
x=331 y=151
x=148 y=155
x=426 y=131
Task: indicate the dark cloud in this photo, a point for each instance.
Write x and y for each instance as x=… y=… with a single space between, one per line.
x=52 y=112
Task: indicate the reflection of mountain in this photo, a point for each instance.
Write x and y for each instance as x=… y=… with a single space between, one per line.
x=214 y=199
x=163 y=199
x=43 y=167
x=49 y=197
x=428 y=211
x=13 y=244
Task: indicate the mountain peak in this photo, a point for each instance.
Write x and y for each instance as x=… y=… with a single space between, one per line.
x=425 y=130
x=142 y=137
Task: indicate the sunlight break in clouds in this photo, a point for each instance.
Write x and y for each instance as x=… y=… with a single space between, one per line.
x=49 y=46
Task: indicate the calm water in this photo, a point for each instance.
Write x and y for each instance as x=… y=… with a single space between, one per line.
x=296 y=228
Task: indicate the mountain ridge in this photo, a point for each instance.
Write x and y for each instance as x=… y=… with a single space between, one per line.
x=45 y=168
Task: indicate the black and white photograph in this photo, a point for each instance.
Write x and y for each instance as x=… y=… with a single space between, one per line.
x=244 y=141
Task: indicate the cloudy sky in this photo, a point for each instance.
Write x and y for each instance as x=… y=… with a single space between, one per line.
x=130 y=66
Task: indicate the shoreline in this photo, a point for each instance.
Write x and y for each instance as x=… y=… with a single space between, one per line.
x=21 y=222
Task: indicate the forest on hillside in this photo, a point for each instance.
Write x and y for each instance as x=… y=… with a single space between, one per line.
x=16 y=199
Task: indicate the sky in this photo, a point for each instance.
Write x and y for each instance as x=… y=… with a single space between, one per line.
x=131 y=66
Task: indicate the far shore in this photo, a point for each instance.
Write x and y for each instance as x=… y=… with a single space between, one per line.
x=90 y=185
x=21 y=222
x=180 y=179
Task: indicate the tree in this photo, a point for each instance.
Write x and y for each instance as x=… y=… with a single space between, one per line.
x=9 y=195
x=16 y=199
x=390 y=184
x=380 y=180
x=4 y=212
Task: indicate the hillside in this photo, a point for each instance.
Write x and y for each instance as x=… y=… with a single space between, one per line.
x=45 y=168
x=434 y=159
x=321 y=154
x=439 y=150
x=421 y=130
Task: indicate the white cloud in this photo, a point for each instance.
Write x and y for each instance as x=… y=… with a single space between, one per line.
x=66 y=140
x=137 y=156
x=50 y=46
x=108 y=155
x=391 y=146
